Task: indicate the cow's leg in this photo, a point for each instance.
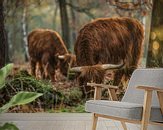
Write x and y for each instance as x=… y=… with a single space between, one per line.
x=45 y=62
x=51 y=72
x=41 y=70
x=33 y=67
x=49 y=68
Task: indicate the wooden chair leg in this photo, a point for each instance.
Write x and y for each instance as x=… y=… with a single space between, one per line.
x=124 y=125
x=160 y=98
x=97 y=95
x=146 y=110
x=112 y=94
x=94 y=123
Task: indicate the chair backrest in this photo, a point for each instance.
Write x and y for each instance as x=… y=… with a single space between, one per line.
x=143 y=77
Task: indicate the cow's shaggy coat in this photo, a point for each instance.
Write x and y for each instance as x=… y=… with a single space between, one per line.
x=44 y=46
x=110 y=41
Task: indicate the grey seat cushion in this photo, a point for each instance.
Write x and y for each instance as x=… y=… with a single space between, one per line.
x=125 y=110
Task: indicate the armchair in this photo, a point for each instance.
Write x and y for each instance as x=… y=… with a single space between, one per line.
x=137 y=106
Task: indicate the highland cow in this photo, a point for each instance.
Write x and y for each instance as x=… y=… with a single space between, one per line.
x=109 y=41
x=44 y=47
x=94 y=73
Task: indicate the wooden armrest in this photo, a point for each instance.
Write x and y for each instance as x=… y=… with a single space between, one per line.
x=98 y=87
x=102 y=86
x=147 y=88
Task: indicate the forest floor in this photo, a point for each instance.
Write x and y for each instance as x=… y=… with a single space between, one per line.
x=61 y=96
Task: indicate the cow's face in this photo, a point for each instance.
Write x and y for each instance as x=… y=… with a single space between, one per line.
x=91 y=74
x=94 y=73
x=66 y=62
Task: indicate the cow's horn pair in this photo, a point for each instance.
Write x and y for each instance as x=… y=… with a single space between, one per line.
x=104 y=66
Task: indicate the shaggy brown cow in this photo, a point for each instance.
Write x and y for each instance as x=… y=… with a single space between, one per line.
x=109 y=41
x=94 y=73
x=44 y=46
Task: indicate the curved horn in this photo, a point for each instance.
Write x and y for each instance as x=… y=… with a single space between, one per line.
x=112 y=66
x=75 y=69
x=61 y=56
x=104 y=66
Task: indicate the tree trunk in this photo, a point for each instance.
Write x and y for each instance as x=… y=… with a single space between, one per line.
x=73 y=24
x=155 y=55
x=147 y=27
x=3 y=38
x=55 y=16
x=64 y=22
x=24 y=30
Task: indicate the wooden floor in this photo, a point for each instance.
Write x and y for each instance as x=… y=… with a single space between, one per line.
x=57 y=121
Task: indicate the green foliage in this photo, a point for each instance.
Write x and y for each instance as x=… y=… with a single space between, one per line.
x=71 y=96
x=20 y=98
x=79 y=109
x=53 y=95
x=22 y=81
x=4 y=72
x=8 y=126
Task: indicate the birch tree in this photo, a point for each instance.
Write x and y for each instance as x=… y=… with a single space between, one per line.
x=24 y=29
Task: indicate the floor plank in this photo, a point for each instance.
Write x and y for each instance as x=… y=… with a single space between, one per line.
x=57 y=121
